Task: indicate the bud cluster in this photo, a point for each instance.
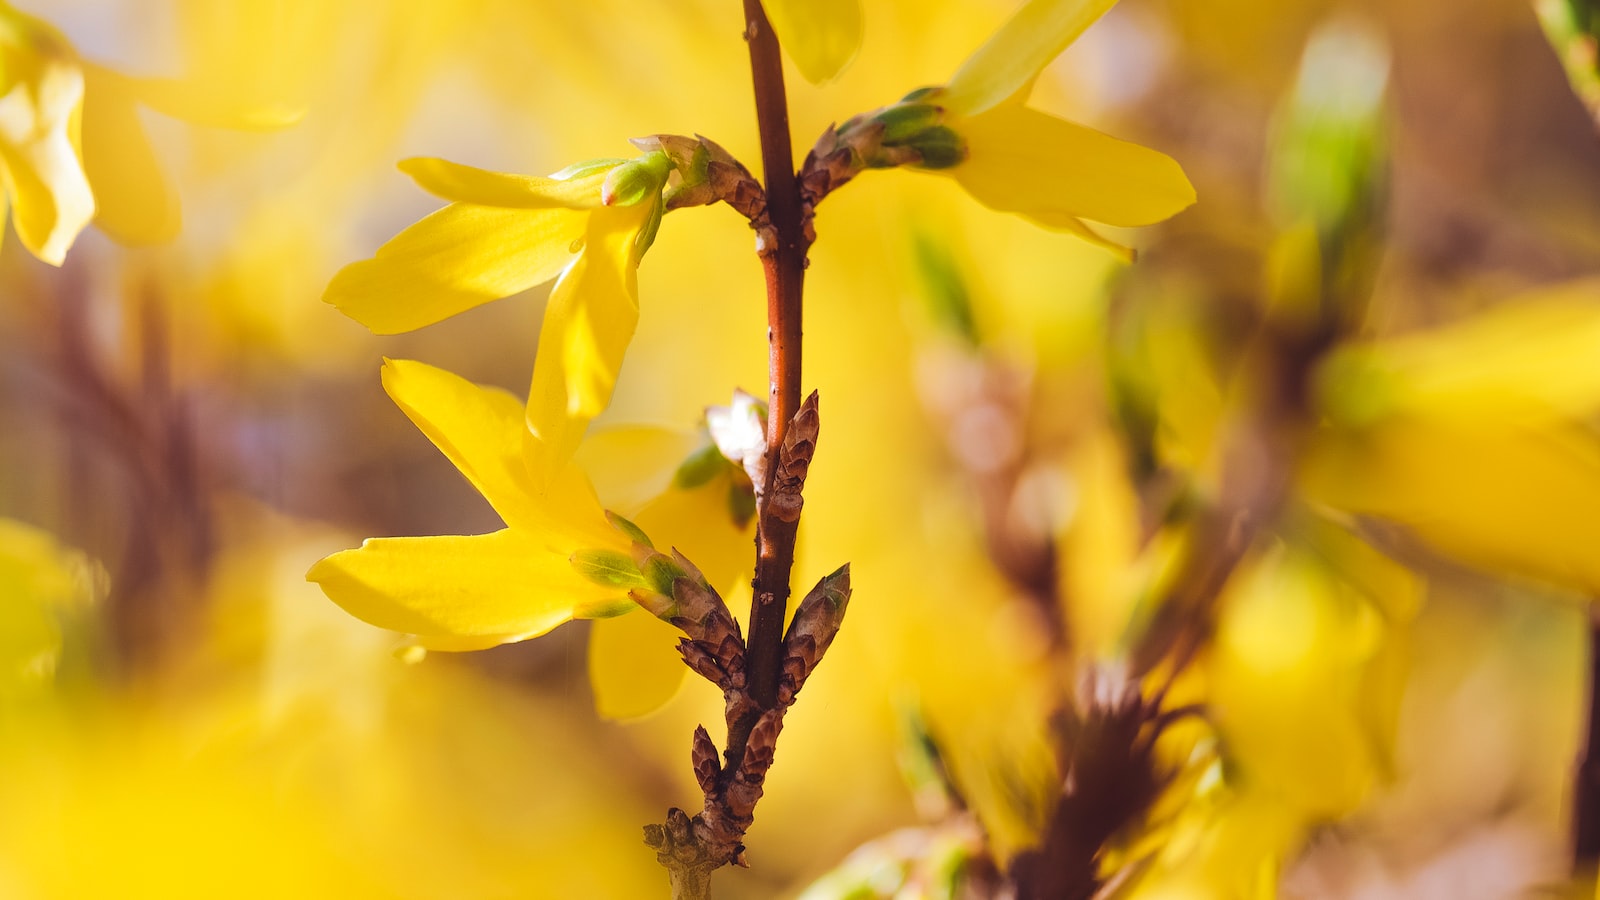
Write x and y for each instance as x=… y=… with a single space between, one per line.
x=912 y=132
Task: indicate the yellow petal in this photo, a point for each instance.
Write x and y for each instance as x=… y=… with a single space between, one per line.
x=1075 y=226
x=479 y=429
x=1507 y=499
x=135 y=199
x=1528 y=361
x=588 y=323
x=634 y=666
x=1024 y=161
x=457 y=592
x=50 y=197
x=459 y=257
x=1013 y=57
x=465 y=184
x=820 y=37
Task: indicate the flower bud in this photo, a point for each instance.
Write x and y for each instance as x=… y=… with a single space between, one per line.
x=636 y=180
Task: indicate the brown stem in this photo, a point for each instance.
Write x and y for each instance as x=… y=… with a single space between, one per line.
x=1586 y=784
x=784 y=264
x=761 y=675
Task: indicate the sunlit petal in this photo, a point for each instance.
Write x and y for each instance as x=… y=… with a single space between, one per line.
x=588 y=323
x=1013 y=57
x=489 y=588
x=478 y=428
x=459 y=257
x=466 y=184
x=1024 y=161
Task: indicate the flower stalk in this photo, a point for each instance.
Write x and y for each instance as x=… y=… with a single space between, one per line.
x=759 y=675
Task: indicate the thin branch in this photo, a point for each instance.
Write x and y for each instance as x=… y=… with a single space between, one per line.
x=784 y=265
x=1586 y=783
x=761 y=675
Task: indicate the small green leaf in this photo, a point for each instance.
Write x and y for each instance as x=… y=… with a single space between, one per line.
x=609 y=568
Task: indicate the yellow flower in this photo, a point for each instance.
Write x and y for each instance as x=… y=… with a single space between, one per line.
x=550 y=563
x=1014 y=159
x=476 y=591
x=821 y=37
x=1475 y=437
x=41 y=104
x=588 y=224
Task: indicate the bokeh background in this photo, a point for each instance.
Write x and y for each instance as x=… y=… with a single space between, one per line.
x=186 y=427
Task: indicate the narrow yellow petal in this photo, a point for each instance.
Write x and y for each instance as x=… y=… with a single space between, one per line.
x=821 y=37
x=1077 y=227
x=135 y=199
x=634 y=666
x=1527 y=361
x=50 y=197
x=1511 y=500
x=1024 y=161
x=465 y=184
x=459 y=257
x=479 y=429
x=1013 y=57
x=588 y=323
x=457 y=591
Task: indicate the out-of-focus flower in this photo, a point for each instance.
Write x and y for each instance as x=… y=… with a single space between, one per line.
x=589 y=224
x=43 y=586
x=1015 y=159
x=41 y=105
x=1474 y=437
x=820 y=36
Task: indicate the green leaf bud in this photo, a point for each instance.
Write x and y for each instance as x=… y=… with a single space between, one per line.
x=636 y=180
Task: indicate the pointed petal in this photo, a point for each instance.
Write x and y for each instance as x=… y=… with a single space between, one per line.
x=479 y=429
x=1507 y=499
x=39 y=119
x=1013 y=57
x=1077 y=227
x=588 y=323
x=1024 y=161
x=821 y=37
x=634 y=666
x=459 y=257
x=465 y=184
x=452 y=592
x=135 y=199
x=1527 y=361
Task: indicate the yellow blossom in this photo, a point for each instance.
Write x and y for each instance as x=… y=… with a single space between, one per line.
x=501 y=234
x=1011 y=158
x=476 y=591
x=41 y=104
